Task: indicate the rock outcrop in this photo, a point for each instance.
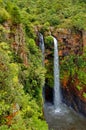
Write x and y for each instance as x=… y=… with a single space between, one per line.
x=15 y=36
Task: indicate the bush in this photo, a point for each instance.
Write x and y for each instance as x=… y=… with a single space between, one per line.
x=45 y=27
x=4 y=15
x=32 y=46
x=54 y=20
x=14 y=12
x=79 y=21
x=49 y=41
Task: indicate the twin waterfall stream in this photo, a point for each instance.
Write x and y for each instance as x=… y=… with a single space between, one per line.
x=59 y=116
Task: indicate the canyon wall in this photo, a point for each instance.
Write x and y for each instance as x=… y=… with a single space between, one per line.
x=14 y=34
x=70 y=43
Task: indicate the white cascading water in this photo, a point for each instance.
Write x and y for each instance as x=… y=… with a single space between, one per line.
x=57 y=95
x=42 y=47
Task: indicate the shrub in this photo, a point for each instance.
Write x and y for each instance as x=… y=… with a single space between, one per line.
x=4 y=15
x=48 y=41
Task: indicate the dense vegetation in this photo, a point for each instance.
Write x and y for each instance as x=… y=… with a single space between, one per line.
x=22 y=78
x=74 y=70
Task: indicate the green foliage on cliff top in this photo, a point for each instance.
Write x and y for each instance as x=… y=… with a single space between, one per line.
x=67 y=13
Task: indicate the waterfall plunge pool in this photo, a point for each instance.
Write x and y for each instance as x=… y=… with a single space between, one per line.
x=63 y=118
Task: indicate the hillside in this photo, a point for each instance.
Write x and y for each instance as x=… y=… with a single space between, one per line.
x=22 y=75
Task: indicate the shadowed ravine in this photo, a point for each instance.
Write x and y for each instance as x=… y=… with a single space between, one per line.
x=59 y=116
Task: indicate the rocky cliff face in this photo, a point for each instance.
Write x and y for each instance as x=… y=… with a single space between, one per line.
x=84 y=38
x=73 y=98
x=70 y=41
x=15 y=36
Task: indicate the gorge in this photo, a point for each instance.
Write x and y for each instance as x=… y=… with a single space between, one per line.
x=59 y=114
x=42 y=64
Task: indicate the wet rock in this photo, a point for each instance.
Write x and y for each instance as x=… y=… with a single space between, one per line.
x=72 y=99
x=48 y=94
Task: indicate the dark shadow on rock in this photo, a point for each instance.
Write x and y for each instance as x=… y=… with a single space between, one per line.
x=48 y=94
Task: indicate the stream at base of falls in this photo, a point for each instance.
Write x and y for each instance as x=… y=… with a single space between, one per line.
x=63 y=118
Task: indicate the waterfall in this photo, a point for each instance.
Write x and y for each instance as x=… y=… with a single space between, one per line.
x=41 y=45
x=57 y=95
